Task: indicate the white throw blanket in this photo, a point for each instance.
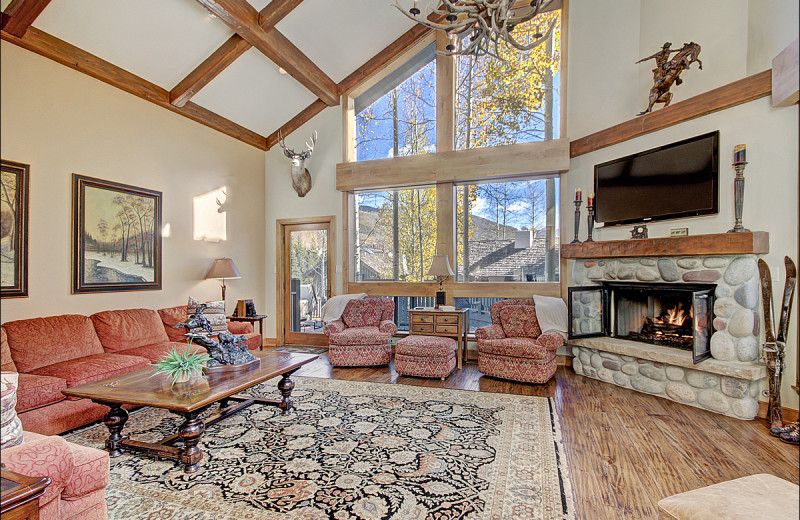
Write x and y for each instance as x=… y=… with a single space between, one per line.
x=333 y=308
x=552 y=314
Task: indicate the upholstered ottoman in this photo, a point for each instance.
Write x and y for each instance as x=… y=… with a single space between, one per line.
x=425 y=356
x=755 y=497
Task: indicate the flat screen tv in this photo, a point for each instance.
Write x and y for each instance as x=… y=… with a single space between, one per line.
x=676 y=180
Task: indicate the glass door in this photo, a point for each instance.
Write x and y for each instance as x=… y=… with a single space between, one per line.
x=588 y=310
x=307 y=249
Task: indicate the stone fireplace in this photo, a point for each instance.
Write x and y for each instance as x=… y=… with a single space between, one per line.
x=685 y=328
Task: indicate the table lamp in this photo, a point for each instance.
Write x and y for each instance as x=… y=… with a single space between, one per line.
x=221 y=269
x=440 y=268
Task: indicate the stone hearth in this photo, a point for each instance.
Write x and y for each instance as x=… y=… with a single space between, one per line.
x=728 y=383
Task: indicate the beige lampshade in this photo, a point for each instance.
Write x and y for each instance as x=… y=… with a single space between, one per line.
x=223 y=268
x=440 y=266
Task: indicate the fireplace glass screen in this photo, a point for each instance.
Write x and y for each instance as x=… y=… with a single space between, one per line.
x=671 y=315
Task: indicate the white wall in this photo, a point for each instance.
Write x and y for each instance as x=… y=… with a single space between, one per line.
x=282 y=202
x=742 y=40
x=63 y=122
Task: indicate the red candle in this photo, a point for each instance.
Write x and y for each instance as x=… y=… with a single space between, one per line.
x=590 y=200
x=578 y=194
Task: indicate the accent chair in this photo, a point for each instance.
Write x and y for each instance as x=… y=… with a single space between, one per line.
x=362 y=336
x=514 y=347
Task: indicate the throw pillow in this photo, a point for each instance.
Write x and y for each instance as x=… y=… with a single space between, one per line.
x=10 y=425
x=214 y=313
x=519 y=321
x=362 y=313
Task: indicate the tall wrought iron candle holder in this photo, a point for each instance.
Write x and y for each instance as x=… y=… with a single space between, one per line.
x=590 y=220
x=577 y=220
x=739 y=162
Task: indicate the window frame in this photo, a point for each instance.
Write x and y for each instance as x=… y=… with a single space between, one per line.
x=538 y=156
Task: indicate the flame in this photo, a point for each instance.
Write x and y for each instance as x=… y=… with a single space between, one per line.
x=675 y=316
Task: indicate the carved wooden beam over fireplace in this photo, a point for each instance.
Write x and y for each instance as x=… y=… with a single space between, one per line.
x=749 y=243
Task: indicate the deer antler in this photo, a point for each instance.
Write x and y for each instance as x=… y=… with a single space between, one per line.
x=288 y=152
x=313 y=142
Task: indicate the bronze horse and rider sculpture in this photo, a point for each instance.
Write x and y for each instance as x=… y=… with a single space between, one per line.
x=668 y=70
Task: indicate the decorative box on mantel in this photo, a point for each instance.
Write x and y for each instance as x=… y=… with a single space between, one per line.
x=675 y=317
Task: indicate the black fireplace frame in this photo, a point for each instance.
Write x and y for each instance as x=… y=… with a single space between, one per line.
x=607 y=293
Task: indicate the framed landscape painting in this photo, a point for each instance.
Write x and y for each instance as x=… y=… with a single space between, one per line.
x=116 y=239
x=13 y=229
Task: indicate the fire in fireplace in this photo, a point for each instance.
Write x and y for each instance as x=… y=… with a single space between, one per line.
x=677 y=315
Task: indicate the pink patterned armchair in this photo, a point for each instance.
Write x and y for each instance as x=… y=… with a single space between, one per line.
x=363 y=335
x=513 y=346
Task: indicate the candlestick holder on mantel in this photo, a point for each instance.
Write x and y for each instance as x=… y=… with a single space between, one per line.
x=577 y=220
x=739 y=163
x=590 y=221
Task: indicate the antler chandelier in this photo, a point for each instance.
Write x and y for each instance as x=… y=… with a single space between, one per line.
x=476 y=27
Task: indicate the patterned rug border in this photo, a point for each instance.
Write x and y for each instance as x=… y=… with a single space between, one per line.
x=424 y=392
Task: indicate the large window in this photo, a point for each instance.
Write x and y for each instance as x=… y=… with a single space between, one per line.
x=394 y=234
x=513 y=101
x=397 y=116
x=508 y=231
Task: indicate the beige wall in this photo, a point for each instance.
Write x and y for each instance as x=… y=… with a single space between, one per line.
x=282 y=202
x=62 y=122
x=743 y=42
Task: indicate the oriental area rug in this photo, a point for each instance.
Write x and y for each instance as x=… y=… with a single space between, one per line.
x=353 y=451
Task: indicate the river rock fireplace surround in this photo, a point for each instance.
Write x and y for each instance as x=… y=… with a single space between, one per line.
x=678 y=322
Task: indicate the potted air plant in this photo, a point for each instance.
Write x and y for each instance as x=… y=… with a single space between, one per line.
x=182 y=366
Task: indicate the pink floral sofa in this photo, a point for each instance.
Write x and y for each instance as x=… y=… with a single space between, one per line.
x=514 y=347
x=58 y=352
x=363 y=334
x=79 y=476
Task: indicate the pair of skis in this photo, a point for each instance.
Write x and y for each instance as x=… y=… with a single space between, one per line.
x=775 y=343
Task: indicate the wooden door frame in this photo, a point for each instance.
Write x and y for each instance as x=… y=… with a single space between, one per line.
x=281 y=224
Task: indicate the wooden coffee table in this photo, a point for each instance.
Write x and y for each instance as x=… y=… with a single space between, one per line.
x=189 y=400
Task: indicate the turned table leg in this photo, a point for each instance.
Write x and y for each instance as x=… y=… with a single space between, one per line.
x=115 y=420
x=286 y=385
x=190 y=432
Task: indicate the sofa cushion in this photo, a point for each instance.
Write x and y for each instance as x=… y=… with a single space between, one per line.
x=426 y=346
x=42 y=456
x=92 y=368
x=519 y=321
x=360 y=336
x=6 y=362
x=129 y=328
x=362 y=313
x=90 y=473
x=170 y=317
x=35 y=391
x=156 y=352
x=10 y=425
x=515 y=347
x=214 y=313
x=39 y=342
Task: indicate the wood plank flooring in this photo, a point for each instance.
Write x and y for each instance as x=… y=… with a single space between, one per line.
x=626 y=450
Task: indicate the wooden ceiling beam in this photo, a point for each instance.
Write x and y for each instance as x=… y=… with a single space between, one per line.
x=227 y=53
x=67 y=54
x=20 y=14
x=240 y=16
x=296 y=122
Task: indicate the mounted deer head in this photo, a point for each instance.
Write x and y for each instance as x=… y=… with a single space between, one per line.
x=301 y=179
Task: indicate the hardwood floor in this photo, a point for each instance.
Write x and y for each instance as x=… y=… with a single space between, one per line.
x=626 y=450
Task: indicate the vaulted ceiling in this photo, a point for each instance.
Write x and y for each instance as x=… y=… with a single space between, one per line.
x=245 y=68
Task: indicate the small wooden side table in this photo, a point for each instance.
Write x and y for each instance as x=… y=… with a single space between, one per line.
x=451 y=324
x=19 y=497
x=253 y=319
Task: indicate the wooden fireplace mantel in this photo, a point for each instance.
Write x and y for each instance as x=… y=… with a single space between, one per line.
x=755 y=242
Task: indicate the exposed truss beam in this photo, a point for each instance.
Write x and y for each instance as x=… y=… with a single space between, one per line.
x=240 y=16
x=64 y=53
x=296 y=122
x=20 y=14
x=227 y=53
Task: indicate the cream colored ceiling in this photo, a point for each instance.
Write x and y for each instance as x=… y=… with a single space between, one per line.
x=164 y=40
